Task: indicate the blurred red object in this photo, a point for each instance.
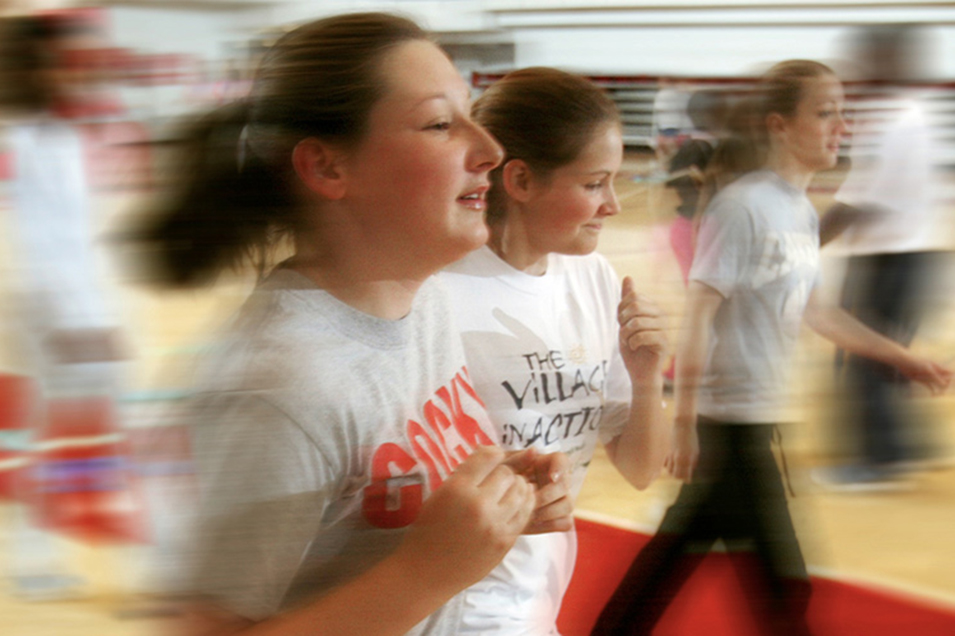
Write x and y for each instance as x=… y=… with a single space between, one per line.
x=83 y=481
x=17 y=404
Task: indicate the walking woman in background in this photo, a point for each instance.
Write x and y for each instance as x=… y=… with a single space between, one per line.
x=67 y=324
x=561 y=354
x=752 y=282
x=346 y=486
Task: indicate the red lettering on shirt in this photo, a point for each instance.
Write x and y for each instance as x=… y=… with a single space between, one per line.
x=419 y=439
x=466 y=426
x=439 y=423
x=391 y=501
x=396 y=492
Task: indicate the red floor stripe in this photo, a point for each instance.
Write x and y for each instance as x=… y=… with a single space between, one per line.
x=712 y=603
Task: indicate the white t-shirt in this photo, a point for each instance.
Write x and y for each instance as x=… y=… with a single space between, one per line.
x=59 y=276
x=319 y=432
x=543 y=355
x=758 y=247
x=892 y=180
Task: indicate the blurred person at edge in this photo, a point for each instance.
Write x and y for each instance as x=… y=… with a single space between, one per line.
x=754 y=279
x=686 y=175
x=888 y=220
x=348 y=474
x=671 y=124
x=51 y=196
x=708 y=110
x=560 y=353
x=70 y=327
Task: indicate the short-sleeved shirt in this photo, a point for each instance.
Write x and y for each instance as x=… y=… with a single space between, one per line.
x=318 y=433
x=544 y=356
x=758 y=247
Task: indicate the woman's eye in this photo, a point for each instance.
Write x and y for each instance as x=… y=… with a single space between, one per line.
x=441 y=125
x=594 y=186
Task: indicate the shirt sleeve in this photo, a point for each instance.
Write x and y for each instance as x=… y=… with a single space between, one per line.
x=724 y=247
x=264 y=486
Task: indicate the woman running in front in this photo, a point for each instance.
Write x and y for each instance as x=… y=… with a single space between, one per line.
x=348 y=479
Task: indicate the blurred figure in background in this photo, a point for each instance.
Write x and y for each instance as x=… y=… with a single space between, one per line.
x=671 y=125
x=754 y=277
x=707 y=110
x=70 y=327
x=685 y=175
x=889 y=221
x=738 y=151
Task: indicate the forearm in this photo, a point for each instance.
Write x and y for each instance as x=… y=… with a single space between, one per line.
x=389 y=599
x=690 y=362
x=638 y=452
x=702 y=304
x=846 y=332
x=462 y=531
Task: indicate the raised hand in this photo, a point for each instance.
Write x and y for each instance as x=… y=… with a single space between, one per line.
x=554 y=509
x=470 y=522
x=643 y=341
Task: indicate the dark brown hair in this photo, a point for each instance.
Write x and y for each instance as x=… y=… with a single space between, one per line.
x=236 y=199
x=542 y=116
x=30 y=47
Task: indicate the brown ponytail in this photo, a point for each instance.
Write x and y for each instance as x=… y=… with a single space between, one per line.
x=228 y=210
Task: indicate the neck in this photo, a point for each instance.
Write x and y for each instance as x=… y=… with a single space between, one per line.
x=510 y=240
x=791 y=170
x=357 y=280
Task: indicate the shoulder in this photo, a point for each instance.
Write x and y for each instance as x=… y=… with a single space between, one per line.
x=735 y=201
x=287 y=328
x=593 y=265
x=253 y=351
x=588 y=275
x=479 y=278
x=735 y=214
x=750 y=195
x=432 y=313
x=481 y=263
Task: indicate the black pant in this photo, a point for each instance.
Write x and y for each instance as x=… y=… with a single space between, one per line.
x=736 y=495
x=887 y=293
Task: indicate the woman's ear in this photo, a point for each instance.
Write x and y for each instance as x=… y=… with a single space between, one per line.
x=775 y=124
x=516 y=178
x=318 y=165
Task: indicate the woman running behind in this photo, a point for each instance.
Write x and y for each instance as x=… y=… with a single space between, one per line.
x=559 y=351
